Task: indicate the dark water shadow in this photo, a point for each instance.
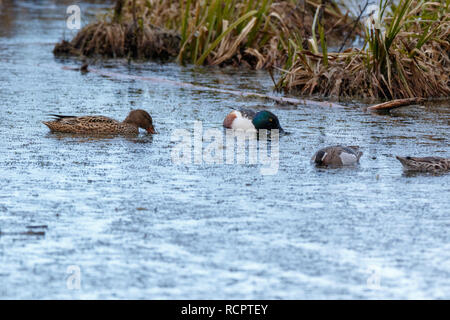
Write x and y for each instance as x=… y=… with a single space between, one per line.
x=87 y=138
x=336 y=168
x=415 y=174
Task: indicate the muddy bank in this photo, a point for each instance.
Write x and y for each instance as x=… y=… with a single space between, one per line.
x=118 y=40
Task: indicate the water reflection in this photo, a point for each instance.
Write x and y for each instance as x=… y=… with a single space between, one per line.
x=416 y=174
x=92 y=138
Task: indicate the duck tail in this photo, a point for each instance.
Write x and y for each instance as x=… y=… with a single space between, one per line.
x=49 y=124
x=403 y=161
x=359 y=155
x=59 y=116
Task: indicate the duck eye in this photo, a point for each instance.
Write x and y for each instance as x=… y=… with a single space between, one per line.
x=270 y=119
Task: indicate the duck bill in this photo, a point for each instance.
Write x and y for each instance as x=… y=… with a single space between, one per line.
x=282 y=132
x=151 y=130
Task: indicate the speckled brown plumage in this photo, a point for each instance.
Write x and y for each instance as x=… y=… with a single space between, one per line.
x=425 y=164
x=102 y=125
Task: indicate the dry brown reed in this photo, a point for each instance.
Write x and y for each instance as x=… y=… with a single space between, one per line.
x=257 y=34
x=407 y=57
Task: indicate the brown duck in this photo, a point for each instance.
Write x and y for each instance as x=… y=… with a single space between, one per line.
x=102 y=125
x=337 y=156
x=425 y=164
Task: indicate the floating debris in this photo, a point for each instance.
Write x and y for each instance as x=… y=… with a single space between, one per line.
x=24 y=233
x=389 y=105
x=33 y=231
x=38 y=227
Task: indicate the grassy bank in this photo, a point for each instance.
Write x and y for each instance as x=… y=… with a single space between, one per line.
x=405 y=54
x=258 y=34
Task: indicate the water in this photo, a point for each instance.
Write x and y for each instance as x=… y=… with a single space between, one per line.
x=118 y=213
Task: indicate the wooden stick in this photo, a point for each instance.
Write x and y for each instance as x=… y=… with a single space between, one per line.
x=27 y=233
x=386 y=106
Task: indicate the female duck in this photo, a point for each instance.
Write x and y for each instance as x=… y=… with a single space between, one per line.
x=246 y=119
x=337 y=156
x=425 y=164
x=102 y=125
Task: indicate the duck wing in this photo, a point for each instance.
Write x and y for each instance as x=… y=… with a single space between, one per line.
x=59 y=116
x=247 y=113
x=426 y=159
x=84 y=124
x=83 y=119
x=354 y=150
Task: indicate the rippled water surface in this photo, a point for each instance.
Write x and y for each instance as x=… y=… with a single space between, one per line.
x=137 y=226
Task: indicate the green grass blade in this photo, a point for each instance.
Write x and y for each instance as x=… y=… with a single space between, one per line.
x=219 y=38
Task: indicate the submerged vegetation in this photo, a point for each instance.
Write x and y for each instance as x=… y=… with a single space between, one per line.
x=405 y=54
x=258 y=34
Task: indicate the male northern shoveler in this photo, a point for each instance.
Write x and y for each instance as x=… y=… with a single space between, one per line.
x=247 y=119
x=337 y=156
x=425 y=164
x=102 y=125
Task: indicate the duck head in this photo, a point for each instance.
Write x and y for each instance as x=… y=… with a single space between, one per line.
x=319 y=158
x=141 y=119
x=266 y=120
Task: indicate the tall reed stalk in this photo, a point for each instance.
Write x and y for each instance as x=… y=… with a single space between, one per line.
x=405 y=54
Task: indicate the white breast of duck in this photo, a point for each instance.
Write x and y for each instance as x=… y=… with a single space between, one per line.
x=236 y=119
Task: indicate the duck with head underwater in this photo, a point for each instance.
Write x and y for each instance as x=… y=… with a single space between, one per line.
x=247 y=119
x=336 y=156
